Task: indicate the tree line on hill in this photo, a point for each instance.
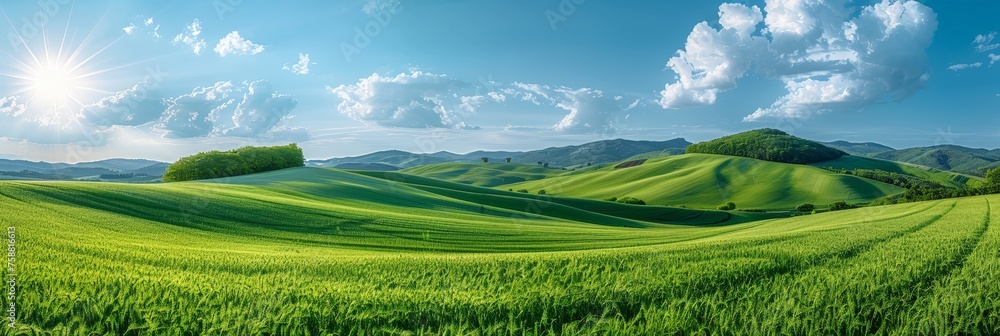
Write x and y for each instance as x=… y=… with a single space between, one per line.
x=242 y=161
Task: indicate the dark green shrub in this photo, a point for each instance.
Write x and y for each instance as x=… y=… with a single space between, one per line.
x=805 y=208
x=728 y=206
x=631 y=200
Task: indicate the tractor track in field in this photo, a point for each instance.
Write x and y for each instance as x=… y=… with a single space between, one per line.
x=787 y=268
x=926 y=286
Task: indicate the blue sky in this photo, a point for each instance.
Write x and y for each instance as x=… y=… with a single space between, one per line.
x=168 y=79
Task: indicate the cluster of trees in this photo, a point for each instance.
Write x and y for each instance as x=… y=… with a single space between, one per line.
x=626 y=200
x=631 y=200
x=728 y=206
x=246 y=160
x=770 y=145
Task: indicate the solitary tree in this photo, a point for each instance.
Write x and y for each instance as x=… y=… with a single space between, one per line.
x=485 y=160
x=508 y=160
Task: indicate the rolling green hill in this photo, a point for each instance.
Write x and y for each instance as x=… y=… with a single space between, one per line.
x=945 y=178
x=312 y=251
x=484 y=174
x=769 y=145
x=705 y=181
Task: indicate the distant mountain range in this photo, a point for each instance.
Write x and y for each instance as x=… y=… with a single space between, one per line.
x=115 y=169
x=973 y=161
x=593 y=153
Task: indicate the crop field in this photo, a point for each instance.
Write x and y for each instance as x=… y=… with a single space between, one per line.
x=313 y=251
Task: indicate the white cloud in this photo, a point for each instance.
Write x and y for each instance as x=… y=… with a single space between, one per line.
x=590 y=110
x=984 y=42
x=958 y=67
x=130 y=29
x=497 y=97
x=994 y=58
x=300 y=68
x=414 y=100
x=247 y=109
x=261 y=110
x=826 y=58
x=191 y=37
x=233 y=44
x=714 y=59
x=131 y=107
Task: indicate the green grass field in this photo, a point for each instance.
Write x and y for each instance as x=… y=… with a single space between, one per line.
x=313 y=251
x=705 y=181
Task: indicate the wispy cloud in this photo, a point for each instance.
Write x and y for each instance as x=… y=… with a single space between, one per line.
x=191 y=37
x=958 y=67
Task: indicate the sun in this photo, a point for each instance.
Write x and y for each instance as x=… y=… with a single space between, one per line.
x=55 y=77
x=53 y=83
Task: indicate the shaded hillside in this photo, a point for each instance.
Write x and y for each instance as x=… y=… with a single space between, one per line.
x=484 y=174
x=769 y=145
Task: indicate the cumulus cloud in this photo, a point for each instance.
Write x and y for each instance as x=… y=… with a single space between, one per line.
x=590 y=110
x=300 y=68
x=958 y=67
x=247 y=109
x=261 y=110
x=984 y=42
x=191 y=37
x=131 y=107
x=828 y=57
x=994 y=58
x=233 y=44
x=410 y=100
x=714 y=59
